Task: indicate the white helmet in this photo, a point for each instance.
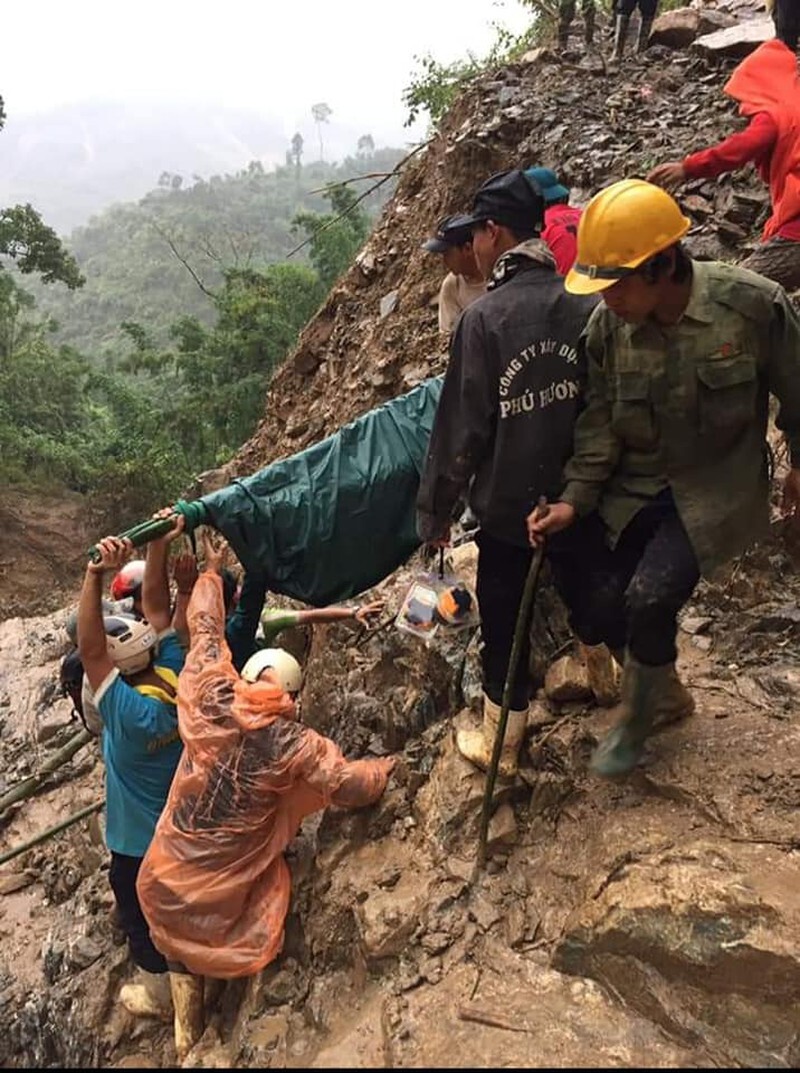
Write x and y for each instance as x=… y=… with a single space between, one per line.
x=287 y=670
x=129 y=642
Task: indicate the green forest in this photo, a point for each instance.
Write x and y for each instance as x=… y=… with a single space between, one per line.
x=137 y=352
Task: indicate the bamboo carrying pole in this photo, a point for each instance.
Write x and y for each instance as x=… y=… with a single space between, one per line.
x=27 y=787
x=57 y=829
x=523 y=619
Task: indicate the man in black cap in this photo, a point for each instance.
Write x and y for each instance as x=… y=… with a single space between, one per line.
x=503 y=428
x=463 y=282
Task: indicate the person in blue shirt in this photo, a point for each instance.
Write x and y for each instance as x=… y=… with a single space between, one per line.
x=132 y=667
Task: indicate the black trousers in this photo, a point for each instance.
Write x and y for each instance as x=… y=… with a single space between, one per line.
x=786 y=16
x=502 y=569
x=647 y=8
x=631 y=595
x=122 y=876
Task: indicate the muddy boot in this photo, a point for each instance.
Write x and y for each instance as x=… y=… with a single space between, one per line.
x=477 y=745
x=187 y=998
x=619 y=752
x=645 y=26
x=603 y=674
x=620 y=37
x=673 y=702
x=148 y=998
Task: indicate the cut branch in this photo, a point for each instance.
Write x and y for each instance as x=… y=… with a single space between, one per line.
x=329 y=223
x=168 y=239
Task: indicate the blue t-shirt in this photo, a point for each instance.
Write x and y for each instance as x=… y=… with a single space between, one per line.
x=141 y=749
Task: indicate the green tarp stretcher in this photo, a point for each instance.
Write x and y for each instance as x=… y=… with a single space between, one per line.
x=335 y=519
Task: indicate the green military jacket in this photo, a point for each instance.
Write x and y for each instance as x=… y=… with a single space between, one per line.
x=685 y=406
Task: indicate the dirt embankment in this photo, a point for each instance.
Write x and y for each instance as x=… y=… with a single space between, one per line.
x=42 y=550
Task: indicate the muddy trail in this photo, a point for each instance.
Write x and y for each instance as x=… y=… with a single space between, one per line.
x=649 y=922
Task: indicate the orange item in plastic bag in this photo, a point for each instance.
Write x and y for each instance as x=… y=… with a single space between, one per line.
x=214 y=886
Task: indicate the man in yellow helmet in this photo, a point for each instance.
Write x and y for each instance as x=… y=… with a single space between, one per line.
x=669 y=468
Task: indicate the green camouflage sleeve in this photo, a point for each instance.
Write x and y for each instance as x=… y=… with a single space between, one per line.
x=596 y=448
x=783 y=370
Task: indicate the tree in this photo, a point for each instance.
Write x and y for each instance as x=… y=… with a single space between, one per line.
x=296 y=152
x=210 y=388
x=366 y=145
x=322 y=113
x=337 y=236
x=35 y=247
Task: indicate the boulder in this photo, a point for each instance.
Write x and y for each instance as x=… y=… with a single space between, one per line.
x=703 y=940
x=736 y=41
x=679 y=28
x=568 y=679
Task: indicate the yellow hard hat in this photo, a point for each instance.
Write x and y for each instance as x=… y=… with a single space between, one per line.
x=621 y=228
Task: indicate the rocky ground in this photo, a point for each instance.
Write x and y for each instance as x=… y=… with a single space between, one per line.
x=641 y=923
x=650 y=922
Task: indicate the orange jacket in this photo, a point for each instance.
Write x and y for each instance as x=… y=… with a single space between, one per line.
x=214 y=886
x=767 y=81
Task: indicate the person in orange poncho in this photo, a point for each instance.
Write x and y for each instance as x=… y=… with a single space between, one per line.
x=767 y=85
x=214 y=885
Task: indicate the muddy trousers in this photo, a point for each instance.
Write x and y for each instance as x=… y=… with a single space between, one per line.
x=122 y=877
x=566 y=13
x=502 y=570
x=631 y=595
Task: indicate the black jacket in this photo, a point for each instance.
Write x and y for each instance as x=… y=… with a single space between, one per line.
x=512 y=391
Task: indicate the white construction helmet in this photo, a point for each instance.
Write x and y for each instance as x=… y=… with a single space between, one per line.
x=129 y=641
x=288 y=673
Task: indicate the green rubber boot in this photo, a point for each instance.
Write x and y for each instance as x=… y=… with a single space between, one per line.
x=620 y=750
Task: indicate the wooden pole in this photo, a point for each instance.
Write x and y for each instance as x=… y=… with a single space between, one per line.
x=44 y=835
x=523 y=621
x=27 y=787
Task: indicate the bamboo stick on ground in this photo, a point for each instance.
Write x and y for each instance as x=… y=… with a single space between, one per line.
x=57 y=829
x=27 y=787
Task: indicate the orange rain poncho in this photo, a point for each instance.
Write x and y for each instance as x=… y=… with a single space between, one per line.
x=214 y=886
x=767 y=81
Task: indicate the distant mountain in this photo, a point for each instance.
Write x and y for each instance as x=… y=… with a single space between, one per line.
x=134 y=255
x=74 y=161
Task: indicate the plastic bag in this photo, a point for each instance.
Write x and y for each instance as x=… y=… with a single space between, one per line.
x=434 y=602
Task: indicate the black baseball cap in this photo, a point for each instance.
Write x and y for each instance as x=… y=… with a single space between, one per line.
x=453 y=230
x=510 y=198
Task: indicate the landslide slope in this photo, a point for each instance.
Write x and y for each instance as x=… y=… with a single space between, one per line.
x=376 y=336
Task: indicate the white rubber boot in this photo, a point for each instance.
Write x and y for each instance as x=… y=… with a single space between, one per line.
x=477 y=745
x=187 y=999
x=150 y=997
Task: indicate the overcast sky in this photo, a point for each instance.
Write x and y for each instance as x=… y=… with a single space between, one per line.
x=276 y=56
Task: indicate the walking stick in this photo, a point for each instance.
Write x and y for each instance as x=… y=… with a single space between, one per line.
x=523 y=618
